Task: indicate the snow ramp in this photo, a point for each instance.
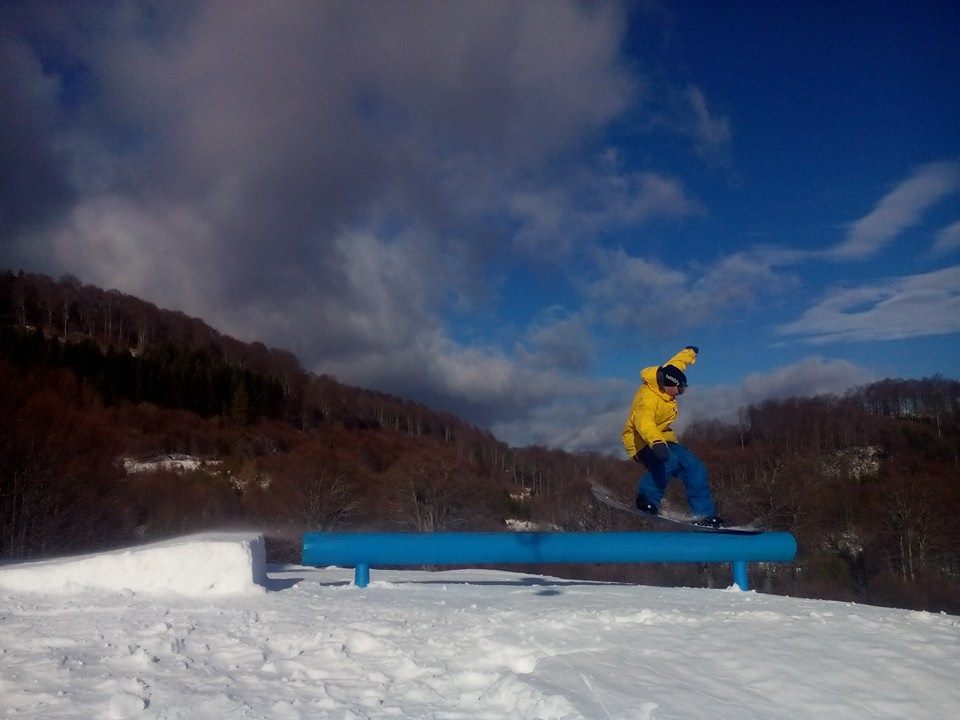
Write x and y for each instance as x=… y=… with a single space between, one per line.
x=193 y=565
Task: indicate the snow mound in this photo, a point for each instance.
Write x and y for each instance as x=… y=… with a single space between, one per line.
x=204 y=564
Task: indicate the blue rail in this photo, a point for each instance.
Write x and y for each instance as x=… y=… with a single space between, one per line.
x=365 y=550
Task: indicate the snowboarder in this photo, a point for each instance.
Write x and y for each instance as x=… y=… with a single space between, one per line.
x=649 y=439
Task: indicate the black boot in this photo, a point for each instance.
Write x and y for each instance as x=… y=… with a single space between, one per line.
x=645 y=506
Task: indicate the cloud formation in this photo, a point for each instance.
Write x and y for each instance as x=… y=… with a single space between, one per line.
x=899 y=209
x=635 y=293
x=808 y=377
x=32 y=184
x=912 y=306
x=559 y=218
x=712 y=132
x=948 y=239
x=292 y=148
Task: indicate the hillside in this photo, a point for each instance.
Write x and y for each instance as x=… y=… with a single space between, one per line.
x=126 y=422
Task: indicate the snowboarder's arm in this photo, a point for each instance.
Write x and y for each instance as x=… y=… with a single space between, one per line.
x=687 y=356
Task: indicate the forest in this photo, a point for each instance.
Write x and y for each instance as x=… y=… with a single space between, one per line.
x=124 y=423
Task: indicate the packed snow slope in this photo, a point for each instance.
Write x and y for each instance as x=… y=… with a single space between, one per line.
x=201 y=629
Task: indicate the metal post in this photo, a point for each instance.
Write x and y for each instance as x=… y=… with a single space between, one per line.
x=361 y=575
x=740 y=574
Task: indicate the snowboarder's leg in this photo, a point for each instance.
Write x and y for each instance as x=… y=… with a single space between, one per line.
x=693 y=473
x=654 y=481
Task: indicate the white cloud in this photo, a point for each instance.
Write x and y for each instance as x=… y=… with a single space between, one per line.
x=912 y=306
x=580 y=416
x=710 y=131
x=808 y=377
x=558 y=340
x=559 y=217
x=266 y=139
x=948 y=239
x=633 y=292
x=630 y=291
x=148 y=246
x=478 y=383
x=900 y=209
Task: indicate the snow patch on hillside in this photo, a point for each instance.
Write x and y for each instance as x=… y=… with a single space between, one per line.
x=172 y=462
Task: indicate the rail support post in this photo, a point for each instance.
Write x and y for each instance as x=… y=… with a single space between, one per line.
x=361 y=574
x=740 y=574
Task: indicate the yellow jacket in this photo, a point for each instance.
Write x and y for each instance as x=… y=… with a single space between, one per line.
x=653 y=410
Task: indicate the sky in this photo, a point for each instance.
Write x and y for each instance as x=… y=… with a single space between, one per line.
x=506 y=209
x=200 y=628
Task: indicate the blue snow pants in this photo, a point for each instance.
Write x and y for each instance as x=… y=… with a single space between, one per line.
x=683 y=465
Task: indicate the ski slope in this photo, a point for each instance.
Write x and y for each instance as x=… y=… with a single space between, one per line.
x=201 y=628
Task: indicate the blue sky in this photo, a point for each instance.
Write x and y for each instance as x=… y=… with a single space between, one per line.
x=506 y=210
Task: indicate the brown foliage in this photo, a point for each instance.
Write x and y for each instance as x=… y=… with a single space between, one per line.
x=433 y=489
x=57 y=455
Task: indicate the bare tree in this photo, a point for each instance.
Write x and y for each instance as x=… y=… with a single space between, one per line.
x=324 y=499
x=916 y=530
x=432 y=492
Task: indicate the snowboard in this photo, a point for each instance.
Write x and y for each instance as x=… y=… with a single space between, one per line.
x=609 y=499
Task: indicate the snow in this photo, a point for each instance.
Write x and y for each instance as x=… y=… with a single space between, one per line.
x=173 y=462
x=215 y=563
x=517 y=525
x=200 y=628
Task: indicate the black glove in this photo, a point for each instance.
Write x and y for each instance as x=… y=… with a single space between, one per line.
x=638 y=458
x=660 y=452
x=694 y=348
